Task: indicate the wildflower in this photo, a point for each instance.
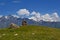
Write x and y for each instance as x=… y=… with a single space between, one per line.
x=0 y=36
x=3 y=34
x=33 y=33
x=16 y=34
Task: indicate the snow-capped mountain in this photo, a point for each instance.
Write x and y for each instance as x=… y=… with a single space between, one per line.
x=5 y=21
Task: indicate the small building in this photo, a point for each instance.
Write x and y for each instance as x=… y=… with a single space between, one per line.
x=24 y=23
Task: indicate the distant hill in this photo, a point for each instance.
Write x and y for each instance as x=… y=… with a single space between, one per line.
x=30 y=33
x=6 y=21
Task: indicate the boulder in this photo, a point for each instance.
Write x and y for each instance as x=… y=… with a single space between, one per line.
x=13 y=26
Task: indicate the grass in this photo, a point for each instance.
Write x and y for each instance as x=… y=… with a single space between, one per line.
x=30 y=33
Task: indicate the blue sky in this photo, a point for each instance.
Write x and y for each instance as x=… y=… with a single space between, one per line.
x=8 y=7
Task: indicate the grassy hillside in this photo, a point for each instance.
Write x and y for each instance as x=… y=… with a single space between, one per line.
x=30 y=33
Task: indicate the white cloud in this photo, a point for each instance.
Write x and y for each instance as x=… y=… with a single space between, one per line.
x=46 y=17
x=54 y=17
x=50 y=18
x=1 y=16
x=15 y=16
x=55 y=14
x=35 y=16
x=23 y=12
x=16 y=1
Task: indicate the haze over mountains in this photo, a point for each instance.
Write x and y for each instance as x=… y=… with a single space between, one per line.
x=5 y=21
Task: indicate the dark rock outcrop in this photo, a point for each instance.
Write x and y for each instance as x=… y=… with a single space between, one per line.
x=24 y=23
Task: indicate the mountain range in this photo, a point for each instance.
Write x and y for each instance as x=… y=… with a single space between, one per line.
x=5 y=21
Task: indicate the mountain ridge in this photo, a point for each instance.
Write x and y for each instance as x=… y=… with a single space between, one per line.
x=6 y=21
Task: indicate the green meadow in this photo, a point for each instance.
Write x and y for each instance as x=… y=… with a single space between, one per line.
x=30 y=33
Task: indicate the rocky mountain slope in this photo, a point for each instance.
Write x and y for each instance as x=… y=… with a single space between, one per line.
x=5 y=21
